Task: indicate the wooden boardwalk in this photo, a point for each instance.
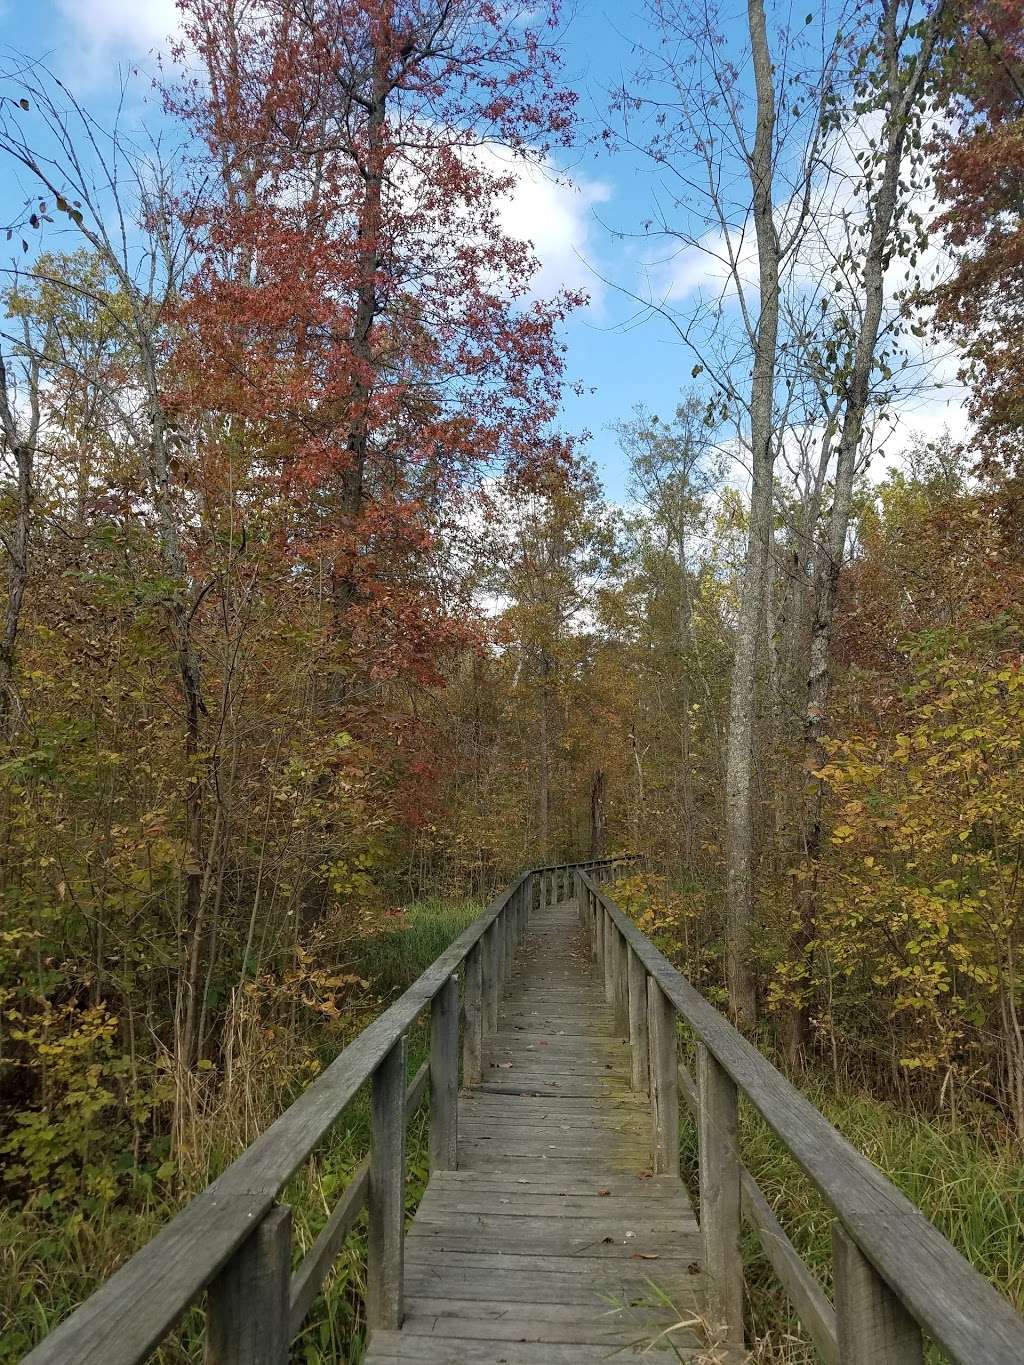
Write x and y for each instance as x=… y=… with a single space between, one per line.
x=545 y=1237
x=552 y=1242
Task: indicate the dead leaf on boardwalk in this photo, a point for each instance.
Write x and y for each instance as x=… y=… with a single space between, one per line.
x=645 y=1256
x=603 y=1193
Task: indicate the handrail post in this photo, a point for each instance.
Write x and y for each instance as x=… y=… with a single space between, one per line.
x=609 y=955
x=509 y=937
x=871 y=1323
x=719 y=1173
x=248 y=1303
x=473 y=1018
x=444 y=1076
x=636 y=984
x=386 y=1196
x=489 y=942
x=621 y=983
x=661 y=1023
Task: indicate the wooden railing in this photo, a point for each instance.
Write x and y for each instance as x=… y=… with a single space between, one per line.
x=895 y=1277
x=234 y=1240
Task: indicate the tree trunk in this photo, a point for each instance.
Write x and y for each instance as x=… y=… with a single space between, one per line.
x=739 y=813
x=353 y=476
x=902 y=95
x=598 y=784
x=17 y=577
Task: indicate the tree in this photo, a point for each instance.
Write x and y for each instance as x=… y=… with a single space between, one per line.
x=21 y=411
x=674 y=474
x=361 y=321
x=980 y=181
x=896 y=67
x=709 y=126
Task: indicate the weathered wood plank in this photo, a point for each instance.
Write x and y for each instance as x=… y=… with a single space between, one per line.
x=955 y=1305
x=631 y=1184
x=386 y=1193
x=804 y=1292
x=636 y=985
x=661 y=1023
x=398 y=1346
x=872 y=1326
x=247 y=1315
x=812 y=1305
x=316 y=1264
x=444 y=1077
x=596 y=1327
x=720 y=1194
x=473 y=1018
x=553 y=1287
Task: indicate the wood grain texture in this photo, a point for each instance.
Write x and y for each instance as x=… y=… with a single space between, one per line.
x=719 y=1174
x=953 y=1303
x=636 y=982
x=444 y=1077
x=661 y=1024
x=473 y=1018
x=873 y=1327
x=553 y=1240
x=386 y=1194
x=247 y=1315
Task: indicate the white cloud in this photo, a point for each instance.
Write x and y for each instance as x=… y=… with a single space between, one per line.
x=554 y=213
x=105 y=32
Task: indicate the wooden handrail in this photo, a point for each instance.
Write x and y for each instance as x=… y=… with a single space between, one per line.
x=131 y=1313
x=895 y=1272
x=234 y=1239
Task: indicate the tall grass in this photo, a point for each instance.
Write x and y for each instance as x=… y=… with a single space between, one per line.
x=51 y=1261
x=969 y=1183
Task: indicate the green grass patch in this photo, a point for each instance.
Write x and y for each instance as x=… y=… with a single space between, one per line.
x=394 y=957
x=967 y=1182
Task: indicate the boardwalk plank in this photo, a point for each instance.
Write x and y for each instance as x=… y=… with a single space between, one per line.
x=552 y=1242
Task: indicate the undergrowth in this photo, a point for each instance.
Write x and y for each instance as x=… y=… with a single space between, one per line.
x=51 y=1258
x=968 y=1183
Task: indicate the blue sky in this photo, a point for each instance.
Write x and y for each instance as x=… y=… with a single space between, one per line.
x=89 y=41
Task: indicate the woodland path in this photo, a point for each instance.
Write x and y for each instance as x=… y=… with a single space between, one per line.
x=552 y=1242
x=554 y=1229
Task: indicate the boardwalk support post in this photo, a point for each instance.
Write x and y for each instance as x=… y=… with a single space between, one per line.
x=489 y=943
x=248 y=1303
x=473 y=1018
x=386 y=1198
x=661 y=1024
x=871 y=1323
x=719 y=1167
x=444 y=1076
x=638 y=1046
x=609 y=954
x=621 y=982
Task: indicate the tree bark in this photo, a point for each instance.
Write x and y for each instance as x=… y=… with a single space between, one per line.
x=21 y=442
x=739 y=813
x=902 y=94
